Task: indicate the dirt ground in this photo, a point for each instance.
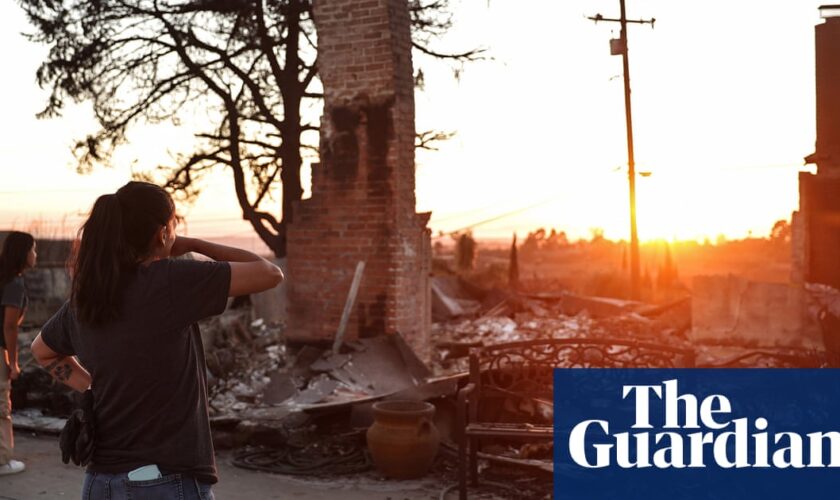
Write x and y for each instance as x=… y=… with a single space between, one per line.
x=47 y=478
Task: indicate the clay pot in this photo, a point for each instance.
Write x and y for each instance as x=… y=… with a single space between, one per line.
x=403 y=439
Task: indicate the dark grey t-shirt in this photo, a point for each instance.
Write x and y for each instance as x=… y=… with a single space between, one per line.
x=13 y=293
x=148 y=370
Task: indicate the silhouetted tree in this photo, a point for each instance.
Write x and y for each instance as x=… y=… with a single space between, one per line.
x=667 y=273
x=647 y=284
x=624 y=258
x=556 y=240
x=240 y=71
x=781 y=232
x=533 y=242
x=513 y=266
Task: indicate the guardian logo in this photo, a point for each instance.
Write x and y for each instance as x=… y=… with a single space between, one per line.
x=651 y=434
x=673 y=449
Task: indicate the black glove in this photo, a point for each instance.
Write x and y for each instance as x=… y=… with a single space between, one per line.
x=76 y=439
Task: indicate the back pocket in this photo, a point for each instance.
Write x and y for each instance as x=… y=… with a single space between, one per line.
x=165 y=488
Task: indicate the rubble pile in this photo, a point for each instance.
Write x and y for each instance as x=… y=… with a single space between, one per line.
x=526 y=318
x=241 y=354
x=263 y=392
x=35 y=388
x=266 y=393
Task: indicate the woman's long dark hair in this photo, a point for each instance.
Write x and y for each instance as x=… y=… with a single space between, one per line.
x=13 y=256
x=113 y=241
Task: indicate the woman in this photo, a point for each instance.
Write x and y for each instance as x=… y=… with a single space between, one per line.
x=130 y=323
x=18 y=254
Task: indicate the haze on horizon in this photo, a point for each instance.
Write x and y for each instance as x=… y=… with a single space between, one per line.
x=723 y=103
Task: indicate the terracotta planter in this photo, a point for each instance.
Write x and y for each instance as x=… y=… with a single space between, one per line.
x=403 y=439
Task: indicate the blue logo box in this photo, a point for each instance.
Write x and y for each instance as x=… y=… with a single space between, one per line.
x=696 y=434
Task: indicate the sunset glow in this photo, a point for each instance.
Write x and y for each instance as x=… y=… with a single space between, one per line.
x=723 y=115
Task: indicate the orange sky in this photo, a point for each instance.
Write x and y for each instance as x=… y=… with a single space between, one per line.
x=723 y=98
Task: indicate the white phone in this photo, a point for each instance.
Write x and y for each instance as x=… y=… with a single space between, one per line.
x=145 y=473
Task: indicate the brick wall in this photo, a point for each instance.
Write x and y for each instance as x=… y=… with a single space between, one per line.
x=827 y=79
x=816 y=226
x=363 y=203
x=819 y=208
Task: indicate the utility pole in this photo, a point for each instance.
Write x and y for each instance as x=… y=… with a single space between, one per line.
x=619 y=46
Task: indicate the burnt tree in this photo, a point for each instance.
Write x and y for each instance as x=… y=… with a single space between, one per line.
x=240 y=73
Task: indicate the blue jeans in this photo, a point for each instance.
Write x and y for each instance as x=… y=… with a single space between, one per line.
x=98 y=486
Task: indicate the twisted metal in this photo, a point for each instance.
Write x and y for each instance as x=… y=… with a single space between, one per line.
x=527 y=366
x=310 y=460
x=778 y=359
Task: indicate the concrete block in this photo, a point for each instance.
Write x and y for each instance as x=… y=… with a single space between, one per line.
x=48 y=288
x=729 y=310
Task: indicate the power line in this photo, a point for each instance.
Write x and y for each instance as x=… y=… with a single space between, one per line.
x=463 y=214
x=499 y=217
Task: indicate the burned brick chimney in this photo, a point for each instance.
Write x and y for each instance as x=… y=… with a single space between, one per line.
x=827 y=36
x=816 y=228
x=363 y=203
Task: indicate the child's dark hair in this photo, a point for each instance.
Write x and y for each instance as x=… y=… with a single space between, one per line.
x=16 y=248
x=113 y=241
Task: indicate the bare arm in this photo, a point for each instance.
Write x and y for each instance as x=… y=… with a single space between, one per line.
x=219 y=252
x=249 y=273
x=11 y=320
x=65 y=369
